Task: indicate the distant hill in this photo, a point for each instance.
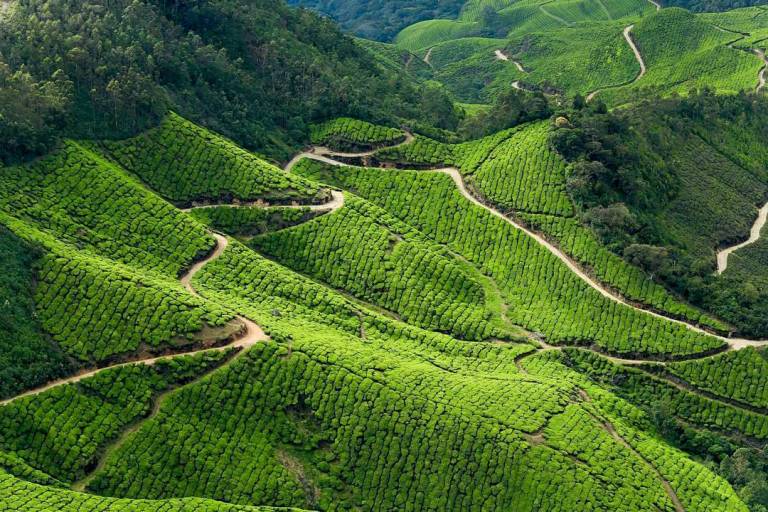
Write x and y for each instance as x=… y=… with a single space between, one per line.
x=381 y=20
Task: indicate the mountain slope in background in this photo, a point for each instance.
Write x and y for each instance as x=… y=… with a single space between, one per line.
x=381 y=19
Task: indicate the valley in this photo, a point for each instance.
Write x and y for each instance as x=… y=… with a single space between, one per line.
x=394 y=255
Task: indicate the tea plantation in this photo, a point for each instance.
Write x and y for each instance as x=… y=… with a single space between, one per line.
x=419 y=349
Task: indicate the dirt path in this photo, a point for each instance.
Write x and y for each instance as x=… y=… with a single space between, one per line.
x=336 y=202
x=252 y=334
x=504 y=57
x=761 y=77
x=428 y=56
x=656 y=4
x=638 y=57
x=608 y=426
x=605 y=10
x=754 y=236
x=455 y=174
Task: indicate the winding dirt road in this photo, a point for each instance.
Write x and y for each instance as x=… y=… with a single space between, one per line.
x=504 y=57
x=761 y=77
x=336 y=202
x=553 y=16
x=251 y=335
x=656 y=4
x=754 y=236
x=455 y=175
x=638 y=57
x=428 y=56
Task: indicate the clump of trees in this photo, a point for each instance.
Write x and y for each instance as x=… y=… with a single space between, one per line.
x=627 y=167
x=31 y=112
x=258 y=72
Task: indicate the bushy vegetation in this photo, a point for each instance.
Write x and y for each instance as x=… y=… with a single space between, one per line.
x=63 y=431
x=17 y=494
x=681 y=53
x=107 y=281
x=712 y=5
x=363 y=250
x=187 y=163
x=75 y=194
x=251 y=220
x=516 y=171
x=672 y=218
x=237 y=67
x=97 y=310
x=345 y=133
x=739 y=375
x=381 y=20
x=27 y=356
x=709 y=430
x=542 y=294
x=667 y=400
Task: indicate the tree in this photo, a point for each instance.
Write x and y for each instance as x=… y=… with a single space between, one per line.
x=31 y=112
x=648 y=257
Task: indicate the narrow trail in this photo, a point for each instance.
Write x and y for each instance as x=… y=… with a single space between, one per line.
x=252 y=334
x=608 y=426
x=120 y=440
x=638 y=57
x=754 y=236
x=336 y=202
x=656 y=4
x=428 y=56
x=605 y=10
x=455 y=175
x=761 y=77
x=500 y=55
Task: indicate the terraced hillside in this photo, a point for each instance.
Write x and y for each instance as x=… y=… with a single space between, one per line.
x=621 y=50
x=310 y=368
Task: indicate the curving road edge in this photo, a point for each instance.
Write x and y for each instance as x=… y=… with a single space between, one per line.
x=455 y=175
x=638 y=57
x=252 y=334
x=754 y=236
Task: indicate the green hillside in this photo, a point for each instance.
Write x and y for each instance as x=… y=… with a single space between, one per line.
x=502 y=256
x=355 y=327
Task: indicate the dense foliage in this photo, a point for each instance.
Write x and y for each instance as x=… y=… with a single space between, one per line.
x=516 y=171
x=346 y=133
x=251 y=220
x=672 y=218
x=697 y=425
x=27 y=357
x=367 y=252
x=381 y=19
x=712 y=5
x=347 y=406
x=187 y=163
x=741 y=376
x=75 y=422
x=542 y=294
x=237 y=67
